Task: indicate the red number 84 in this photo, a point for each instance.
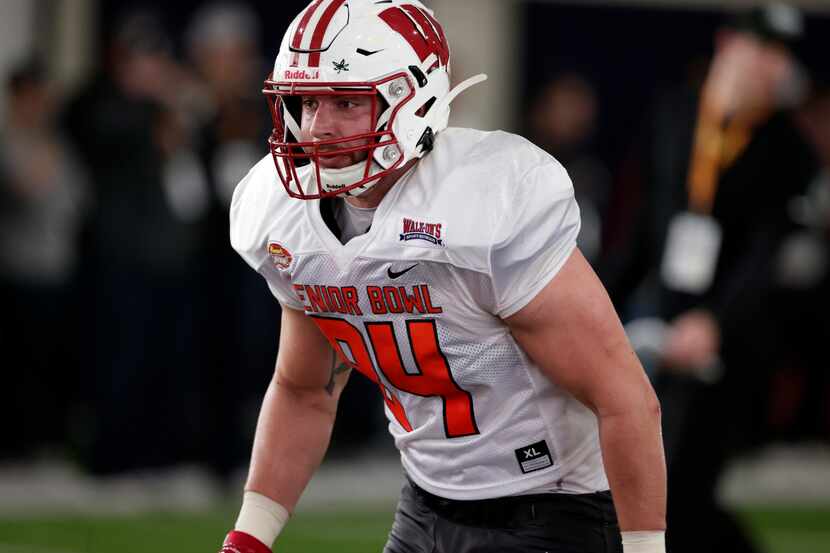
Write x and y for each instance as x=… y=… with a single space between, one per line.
x=433 y=378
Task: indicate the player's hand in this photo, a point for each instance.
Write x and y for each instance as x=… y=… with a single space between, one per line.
x=240 y=542
x=693 y=342
x=731 y=85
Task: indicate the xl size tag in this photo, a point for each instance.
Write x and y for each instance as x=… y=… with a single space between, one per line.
x=534 y=457
x=691 y=255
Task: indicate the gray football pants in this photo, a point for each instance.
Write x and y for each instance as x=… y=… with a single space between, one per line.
x=544 y=523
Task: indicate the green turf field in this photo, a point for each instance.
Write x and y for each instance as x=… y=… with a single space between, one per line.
x=797 y=530
x=187 y=533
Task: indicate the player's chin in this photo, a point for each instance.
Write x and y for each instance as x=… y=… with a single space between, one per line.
x=339 y=161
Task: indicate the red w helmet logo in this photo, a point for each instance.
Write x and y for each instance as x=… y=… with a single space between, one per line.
x=420 y=30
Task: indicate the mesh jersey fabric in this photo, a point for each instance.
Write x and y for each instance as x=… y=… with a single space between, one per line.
x=468 y=238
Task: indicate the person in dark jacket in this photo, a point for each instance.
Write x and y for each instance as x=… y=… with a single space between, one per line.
x=144 y=238
x=720 y=165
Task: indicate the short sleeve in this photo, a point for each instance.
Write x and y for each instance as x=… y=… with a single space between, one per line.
x=250 y=214
x=535 y=238
x=282 y=290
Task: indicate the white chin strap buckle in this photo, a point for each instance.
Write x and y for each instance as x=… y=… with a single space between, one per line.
x=334 y=180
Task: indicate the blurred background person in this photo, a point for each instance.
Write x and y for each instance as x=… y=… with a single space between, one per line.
x=231 y=128
x=222 y=45
x=563 y=120
x=800 y=405
x=720 y=163
x=44 y=198
x=145 y=238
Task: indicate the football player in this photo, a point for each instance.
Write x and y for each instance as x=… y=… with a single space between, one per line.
x=441 y=264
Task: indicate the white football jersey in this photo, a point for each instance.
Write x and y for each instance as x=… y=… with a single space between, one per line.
x=465 y=239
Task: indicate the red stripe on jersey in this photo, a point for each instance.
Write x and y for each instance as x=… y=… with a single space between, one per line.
x=297 y=41
x=436 y=41
x=320 y=32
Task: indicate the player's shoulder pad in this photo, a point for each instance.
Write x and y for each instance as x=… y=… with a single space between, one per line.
x=493 y=169
x=482 y=183
x=259 y=201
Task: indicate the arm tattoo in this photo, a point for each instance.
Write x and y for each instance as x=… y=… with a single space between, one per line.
x=336 y=368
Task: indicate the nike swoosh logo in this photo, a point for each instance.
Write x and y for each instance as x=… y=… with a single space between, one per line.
x=368 y=52
x=395 y=274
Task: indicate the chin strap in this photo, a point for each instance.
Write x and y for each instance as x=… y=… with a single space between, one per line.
x=444 y=102
x=338 y=178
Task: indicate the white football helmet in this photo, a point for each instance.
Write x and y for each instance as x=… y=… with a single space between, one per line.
x=394 y=49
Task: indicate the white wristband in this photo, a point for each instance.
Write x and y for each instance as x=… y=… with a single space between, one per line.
x=644 y=542
x=261 y=517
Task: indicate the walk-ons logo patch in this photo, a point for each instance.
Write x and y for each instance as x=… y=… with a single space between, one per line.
x=421 y=230
x=279 y=255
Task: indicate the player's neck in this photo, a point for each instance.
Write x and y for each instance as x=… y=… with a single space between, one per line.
x=373 y=196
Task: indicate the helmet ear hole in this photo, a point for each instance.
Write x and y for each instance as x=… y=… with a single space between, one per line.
x=427 y=140
x=424 y=109
x=420 y=78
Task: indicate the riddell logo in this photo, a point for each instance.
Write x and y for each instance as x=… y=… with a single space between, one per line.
x=419 y=230
x=301 y=74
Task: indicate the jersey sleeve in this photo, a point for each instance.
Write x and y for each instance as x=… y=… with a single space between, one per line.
x=252 y=210
x=535 y=237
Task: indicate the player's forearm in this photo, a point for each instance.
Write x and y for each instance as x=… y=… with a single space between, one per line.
x=632 y=451
x=292 y=435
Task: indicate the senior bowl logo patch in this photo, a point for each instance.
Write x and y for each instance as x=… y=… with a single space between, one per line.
x=279 y=255
x=430 y=232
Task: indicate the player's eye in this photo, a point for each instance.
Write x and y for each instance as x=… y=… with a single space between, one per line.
x=309 y=104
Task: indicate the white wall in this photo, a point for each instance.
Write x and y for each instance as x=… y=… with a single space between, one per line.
x=16 y=37
x=73 y=25
x=483 y=41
